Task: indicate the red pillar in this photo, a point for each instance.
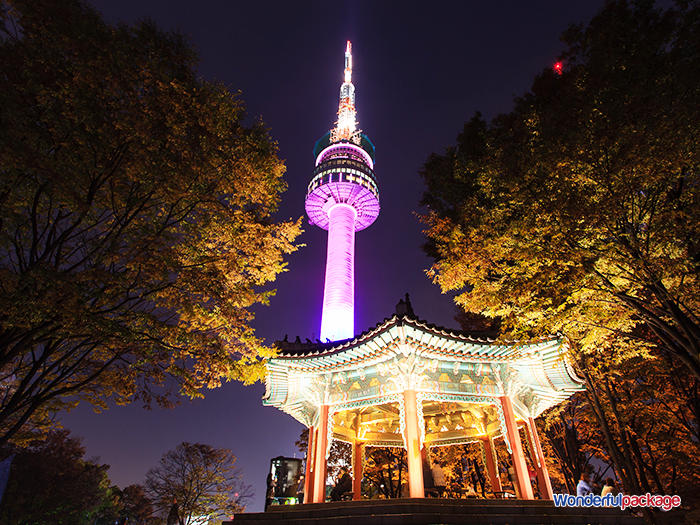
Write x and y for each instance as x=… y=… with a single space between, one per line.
x=413 y=445
x=357 y=470
x=491 y=466
x=522 y=479
x=310 y=459
x=319 y=488
x=543 y=480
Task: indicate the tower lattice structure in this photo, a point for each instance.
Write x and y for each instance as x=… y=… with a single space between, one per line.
x=342 y=197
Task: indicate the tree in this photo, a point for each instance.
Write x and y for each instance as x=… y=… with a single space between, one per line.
x=579 y=211
x=202 y=481
x=339 y=457
x=576 y=441
x=385 y=471
x=137 y=508
x=476 y=323
x=135 y=217
x=641 y=411
x=108 y=513
x=462 y=465
x=50 y=482
x=129 y=506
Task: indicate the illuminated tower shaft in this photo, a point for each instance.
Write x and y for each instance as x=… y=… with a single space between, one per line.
x=342 y=198
x=338 y=292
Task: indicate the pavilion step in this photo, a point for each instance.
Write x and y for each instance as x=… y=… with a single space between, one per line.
x=433 y=512
x=451 y=519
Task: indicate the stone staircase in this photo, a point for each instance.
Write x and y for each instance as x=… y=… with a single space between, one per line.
x=431 y=511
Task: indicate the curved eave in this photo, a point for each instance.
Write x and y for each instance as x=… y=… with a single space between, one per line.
x=430 y=341
x=550 y=376
x=322 y=349
x=541 y=365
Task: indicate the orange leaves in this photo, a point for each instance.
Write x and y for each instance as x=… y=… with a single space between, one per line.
x=578 y=210
x=135 y=215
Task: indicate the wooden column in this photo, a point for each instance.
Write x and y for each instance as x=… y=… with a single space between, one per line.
x=357 y=451
x=543 y=480
x=491 y=466
x=522 y=479
x=413 y=445
x=319 y=488
x=310 y=459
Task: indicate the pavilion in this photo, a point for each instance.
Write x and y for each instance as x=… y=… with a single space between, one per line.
x=407 y=383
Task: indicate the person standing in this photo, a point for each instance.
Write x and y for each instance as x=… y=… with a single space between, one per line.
x=438 y=477
x=609 y=487
x=300 y=488
x=583 y=488
x=174 y=515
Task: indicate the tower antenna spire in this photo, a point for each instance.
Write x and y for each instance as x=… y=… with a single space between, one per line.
x=348 y=62
x=346 y=126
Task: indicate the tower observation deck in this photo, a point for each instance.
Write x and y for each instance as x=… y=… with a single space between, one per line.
x=343 y=198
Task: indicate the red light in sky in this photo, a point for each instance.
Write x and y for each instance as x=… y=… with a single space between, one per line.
x=557 y=67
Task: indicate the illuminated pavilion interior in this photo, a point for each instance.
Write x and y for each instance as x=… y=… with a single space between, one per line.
x=410 y=384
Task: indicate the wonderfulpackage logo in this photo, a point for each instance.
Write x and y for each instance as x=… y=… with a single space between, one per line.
x=619 y=500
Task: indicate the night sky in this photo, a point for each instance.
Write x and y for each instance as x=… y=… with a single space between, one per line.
x=420 y=71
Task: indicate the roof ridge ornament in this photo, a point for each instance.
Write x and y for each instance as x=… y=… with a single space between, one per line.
x=405 y=309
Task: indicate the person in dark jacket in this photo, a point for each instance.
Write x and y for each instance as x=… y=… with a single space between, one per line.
x=174 y=515
x=344 y=485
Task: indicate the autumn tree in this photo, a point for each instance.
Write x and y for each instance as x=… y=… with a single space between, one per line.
x=386 y=471
x=135 y=217
x=121 y=507
x=579 y=211
x=136 y=506
x=476 y=323
x=573 y=436
x=462 y=465
x=642 y=412
x=201 y=479
x=638 y=416
x=50 y=482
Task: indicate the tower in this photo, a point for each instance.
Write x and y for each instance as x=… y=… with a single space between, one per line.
x=342 y=198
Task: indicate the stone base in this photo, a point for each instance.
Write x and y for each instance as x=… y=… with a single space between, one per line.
x=429 y=511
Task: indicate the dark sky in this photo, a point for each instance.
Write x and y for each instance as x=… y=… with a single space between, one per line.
x=421 y=69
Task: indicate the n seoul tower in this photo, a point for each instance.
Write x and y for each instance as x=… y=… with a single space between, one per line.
x=342 y=198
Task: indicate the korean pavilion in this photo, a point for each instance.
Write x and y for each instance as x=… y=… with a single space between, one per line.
x=407 y=383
